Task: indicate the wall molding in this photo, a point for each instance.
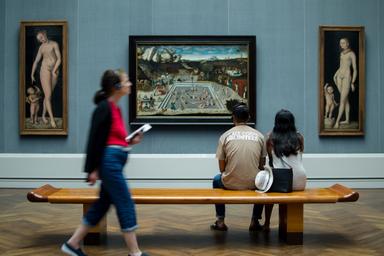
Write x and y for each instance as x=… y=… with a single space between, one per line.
x=181 y=170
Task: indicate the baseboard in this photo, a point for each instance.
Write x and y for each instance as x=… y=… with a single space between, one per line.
x=181 y=170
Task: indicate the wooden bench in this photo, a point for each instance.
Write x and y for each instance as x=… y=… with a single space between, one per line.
x=291 y=205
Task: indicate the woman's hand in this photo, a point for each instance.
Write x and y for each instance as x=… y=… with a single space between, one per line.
x=32 y=78
x=137 y=139
x=93 y=177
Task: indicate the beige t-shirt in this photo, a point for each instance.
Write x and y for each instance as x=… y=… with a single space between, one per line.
x=241 y=147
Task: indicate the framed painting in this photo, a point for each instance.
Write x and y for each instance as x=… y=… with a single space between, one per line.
x=43 y=78
x=191 y=79
x=342 y=81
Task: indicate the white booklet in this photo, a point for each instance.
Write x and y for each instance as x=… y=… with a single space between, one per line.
x=144 y=128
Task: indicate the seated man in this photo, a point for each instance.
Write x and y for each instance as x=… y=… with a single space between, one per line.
x=241 y=153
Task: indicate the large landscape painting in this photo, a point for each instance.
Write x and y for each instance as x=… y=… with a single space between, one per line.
x=190 y=79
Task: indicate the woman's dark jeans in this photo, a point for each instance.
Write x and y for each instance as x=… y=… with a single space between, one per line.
x=114 y=190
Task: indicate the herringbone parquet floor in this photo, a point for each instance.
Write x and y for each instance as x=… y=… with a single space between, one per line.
x=330 y=229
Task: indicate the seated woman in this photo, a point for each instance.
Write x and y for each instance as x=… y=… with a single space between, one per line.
x=285 y=147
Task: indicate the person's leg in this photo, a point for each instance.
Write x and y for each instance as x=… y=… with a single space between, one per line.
x=268 y=212
x=131 y=241
x=338 y=83
x=346 y=88
x=326 y=111
x=44 y=113
x=46 y=84
x=91 y=218
x=37 y=108
x=121 y=198
x=125 y=209
x=78 y=235
x=347 y=110
x=343 y=101
x=256 y=216
x=32 y=112
x=220 y=208
x=331 y=111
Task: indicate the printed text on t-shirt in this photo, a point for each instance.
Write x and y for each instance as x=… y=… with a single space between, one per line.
x=243 y=136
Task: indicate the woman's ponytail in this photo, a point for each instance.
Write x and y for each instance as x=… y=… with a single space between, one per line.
x=99 y=96
x=109 y=79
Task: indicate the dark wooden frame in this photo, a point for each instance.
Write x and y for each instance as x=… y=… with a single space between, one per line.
x=135 y=42
x=329 y=60
x=28 y=47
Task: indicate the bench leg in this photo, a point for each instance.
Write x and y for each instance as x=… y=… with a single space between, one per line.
x=96 y=234
x=291 y=223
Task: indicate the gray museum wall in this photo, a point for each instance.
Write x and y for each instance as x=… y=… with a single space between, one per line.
x=287 y=63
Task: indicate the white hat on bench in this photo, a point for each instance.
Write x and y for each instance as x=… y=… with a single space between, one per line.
x=264 y=179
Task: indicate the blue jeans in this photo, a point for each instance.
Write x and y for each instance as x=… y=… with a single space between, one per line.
x=220 y=208
x=114 y=190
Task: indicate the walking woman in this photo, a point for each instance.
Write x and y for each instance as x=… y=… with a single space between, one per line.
x=106 y=157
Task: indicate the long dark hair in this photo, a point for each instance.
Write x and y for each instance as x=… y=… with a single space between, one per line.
x=285 y=139
x=109 y=79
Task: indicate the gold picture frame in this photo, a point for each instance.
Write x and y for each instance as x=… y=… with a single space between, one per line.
x=43 y=77
x=342 y=81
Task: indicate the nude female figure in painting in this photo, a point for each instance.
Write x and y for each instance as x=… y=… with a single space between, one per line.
x=49 y=53
x=344 y=79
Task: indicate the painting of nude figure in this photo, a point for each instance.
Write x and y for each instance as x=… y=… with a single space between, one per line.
x=43 y=78
x=191 y=79
x=342 y=81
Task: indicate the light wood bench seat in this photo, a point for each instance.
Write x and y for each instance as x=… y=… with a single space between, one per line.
x=291 y=205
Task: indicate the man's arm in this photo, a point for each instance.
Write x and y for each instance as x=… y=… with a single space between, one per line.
x=261 y=163
x=222 y=165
